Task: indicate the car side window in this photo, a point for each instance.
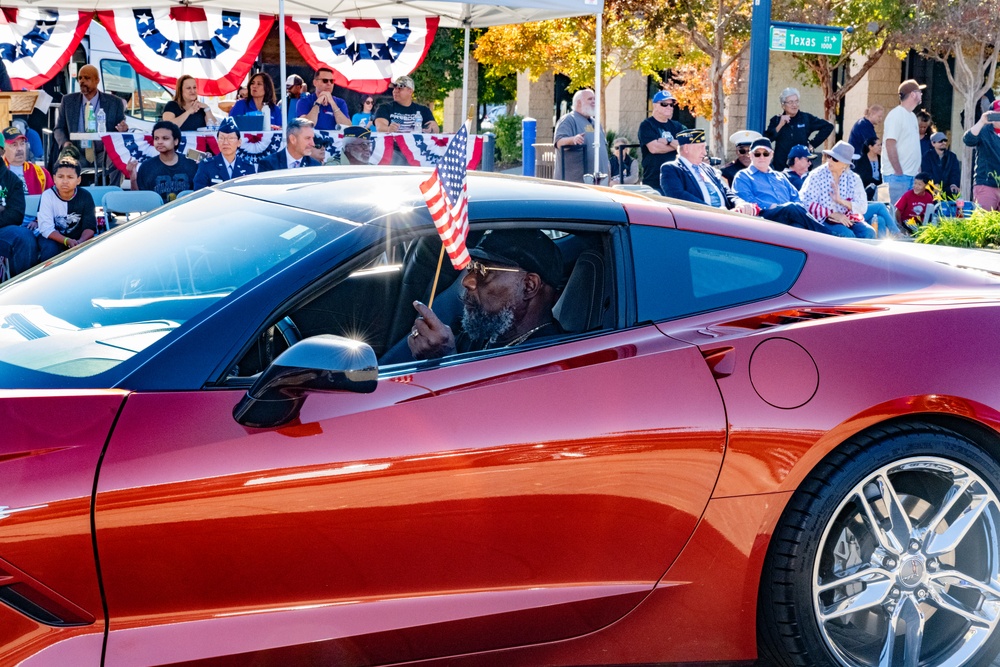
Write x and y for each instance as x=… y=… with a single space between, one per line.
x=680 y=273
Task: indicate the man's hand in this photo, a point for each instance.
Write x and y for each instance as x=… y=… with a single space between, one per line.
x=430 y=338
x=122 y=126
x=132 y=166
x=746 y=209
x=324 y=99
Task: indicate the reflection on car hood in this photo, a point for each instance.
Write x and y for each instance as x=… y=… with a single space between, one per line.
x=34 y=339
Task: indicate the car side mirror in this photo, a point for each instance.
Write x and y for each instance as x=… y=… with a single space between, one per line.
x=318 y=363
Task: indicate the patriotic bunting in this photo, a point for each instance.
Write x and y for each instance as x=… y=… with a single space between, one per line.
x=36 y=43
x=420 y=150
x=215 y=46
x=364 y=54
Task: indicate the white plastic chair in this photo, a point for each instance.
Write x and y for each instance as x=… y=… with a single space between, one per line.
x=129 y=202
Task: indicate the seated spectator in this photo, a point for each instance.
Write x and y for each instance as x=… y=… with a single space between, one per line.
x=227 y=164
x=18 y=250
x=688 y=178
x=294 y=89
x=511 y=286
x=834 y=194
x=185 y=110
x=742 y=141
x=168 y=174
x=912 y=207
x=323 y=109
x=35 y=178
x=864 y=129
x=403 y=114
x=631 y=174
x=36 y=151
x=798 y=165
x=242 y=92
x=261 y=94
x=777 y=199
x=942 y=165
x=357 y=148
x=793 y=127
x=66 y=213
x=366 y=117
x=869 y=169
x=300 y=149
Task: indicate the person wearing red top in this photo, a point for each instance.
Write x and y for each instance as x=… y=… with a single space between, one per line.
x=913 y=205
x=36 y=179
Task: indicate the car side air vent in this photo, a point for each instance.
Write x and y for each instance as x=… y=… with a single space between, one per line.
x=37 y=601
x=786 y=317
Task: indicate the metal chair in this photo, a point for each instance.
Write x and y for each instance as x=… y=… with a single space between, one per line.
x=127 y=203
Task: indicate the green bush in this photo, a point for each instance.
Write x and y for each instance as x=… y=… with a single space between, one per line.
x=508 y=131
x=979 y=230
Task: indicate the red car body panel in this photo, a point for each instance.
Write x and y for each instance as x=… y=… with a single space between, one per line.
x=51 y=446
x=480 y=534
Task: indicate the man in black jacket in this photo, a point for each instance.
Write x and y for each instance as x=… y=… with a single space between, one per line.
x=942 y=165
x=299 y=149
x=793 y=127
x=18 y=250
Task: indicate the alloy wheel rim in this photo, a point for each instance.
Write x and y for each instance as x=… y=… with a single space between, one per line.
x=908 y=570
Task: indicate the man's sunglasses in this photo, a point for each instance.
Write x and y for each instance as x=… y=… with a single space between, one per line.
x=325 y=80
x=762 y=153
x=742 y=150
x=481 y=271
x=666 y=104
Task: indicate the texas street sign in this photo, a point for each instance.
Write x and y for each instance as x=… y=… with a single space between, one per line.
x=804 y=40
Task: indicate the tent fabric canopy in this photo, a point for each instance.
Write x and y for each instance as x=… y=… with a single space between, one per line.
x=451 y=14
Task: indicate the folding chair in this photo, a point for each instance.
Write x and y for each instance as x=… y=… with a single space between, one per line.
x=128 y=202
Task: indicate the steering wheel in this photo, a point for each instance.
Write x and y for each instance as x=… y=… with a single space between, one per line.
x=288 y=331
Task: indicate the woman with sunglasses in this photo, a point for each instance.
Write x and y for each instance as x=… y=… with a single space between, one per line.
x=656 y=138
x=835 y=195
x=364 y=117
x=261 y=94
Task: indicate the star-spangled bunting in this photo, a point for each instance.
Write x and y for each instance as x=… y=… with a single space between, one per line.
x=364 y=54
x=255 y=146
x=215 y=46
x=36 y=44
x=446 y=194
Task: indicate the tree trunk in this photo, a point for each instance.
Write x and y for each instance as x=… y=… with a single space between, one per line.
x=718 y=105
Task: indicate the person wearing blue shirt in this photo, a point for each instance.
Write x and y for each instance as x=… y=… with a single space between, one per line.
x=769 y=189
x=799 y=163
x=227 y=164
x=864 y=129
x=261 y=93
x=322 y=108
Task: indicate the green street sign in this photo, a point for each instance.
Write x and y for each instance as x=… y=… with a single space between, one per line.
x=804 y=40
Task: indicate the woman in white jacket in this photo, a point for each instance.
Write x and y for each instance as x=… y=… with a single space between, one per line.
x=834 y=194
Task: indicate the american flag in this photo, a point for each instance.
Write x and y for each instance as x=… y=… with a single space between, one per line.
x=446 y=197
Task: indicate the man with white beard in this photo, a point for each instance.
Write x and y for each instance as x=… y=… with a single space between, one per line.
x=509 y=290
x=574 y=140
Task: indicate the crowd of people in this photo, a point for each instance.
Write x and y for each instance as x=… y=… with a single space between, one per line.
x=785 y=176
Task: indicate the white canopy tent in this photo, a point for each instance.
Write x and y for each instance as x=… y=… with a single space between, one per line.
x=452 y=14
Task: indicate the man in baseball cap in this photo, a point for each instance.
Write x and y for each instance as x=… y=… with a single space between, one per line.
x=36 y=179
x=798 y=164
x=901 y=141
x=403 y=114
x=293 y=86
x=658 y=138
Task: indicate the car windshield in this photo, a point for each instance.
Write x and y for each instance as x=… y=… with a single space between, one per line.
x=95 y=308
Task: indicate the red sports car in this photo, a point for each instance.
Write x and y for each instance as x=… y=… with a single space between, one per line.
x=739 y=440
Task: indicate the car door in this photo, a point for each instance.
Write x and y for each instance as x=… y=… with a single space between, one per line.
x=495 y=500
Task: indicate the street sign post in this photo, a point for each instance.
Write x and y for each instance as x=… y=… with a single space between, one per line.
x=806 y=40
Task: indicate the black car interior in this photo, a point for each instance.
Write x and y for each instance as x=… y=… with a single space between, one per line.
x=375 y=304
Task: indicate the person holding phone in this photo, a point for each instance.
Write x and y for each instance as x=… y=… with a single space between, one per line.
x=986 y=186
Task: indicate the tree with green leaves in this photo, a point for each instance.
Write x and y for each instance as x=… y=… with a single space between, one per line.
x=441 y=70
x=876 y=28
x=964 y=35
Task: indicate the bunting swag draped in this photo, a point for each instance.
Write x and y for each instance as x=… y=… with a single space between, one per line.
x=364 y=54
x=420 y=150
x=36 y=43
x=215 y=46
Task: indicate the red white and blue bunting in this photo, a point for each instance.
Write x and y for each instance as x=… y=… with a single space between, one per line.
x=364 y=54
x=420 y=150
x=36 y=43
x=215 y=46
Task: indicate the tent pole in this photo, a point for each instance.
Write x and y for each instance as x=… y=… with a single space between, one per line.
x=465 y=76
x=597 y=98
x=284 y=74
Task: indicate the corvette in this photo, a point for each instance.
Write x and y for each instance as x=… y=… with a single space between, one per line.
x=749 y=443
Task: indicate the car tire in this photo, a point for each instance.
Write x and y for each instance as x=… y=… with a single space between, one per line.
x=887 y=554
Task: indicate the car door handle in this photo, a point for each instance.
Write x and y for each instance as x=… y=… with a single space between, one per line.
x=721 y=361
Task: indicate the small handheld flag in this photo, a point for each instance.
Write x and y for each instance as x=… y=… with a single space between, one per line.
x=446 y=195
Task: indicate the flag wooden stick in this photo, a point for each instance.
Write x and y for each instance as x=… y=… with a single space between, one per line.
x=437 y=274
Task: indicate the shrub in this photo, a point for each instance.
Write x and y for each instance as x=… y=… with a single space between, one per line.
x=979 y=230
x=508 y=131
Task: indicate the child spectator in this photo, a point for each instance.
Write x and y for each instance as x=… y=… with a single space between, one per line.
x=913 y=205
x=66 y=212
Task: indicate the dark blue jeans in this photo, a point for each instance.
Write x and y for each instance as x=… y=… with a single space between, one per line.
x=18 y=245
